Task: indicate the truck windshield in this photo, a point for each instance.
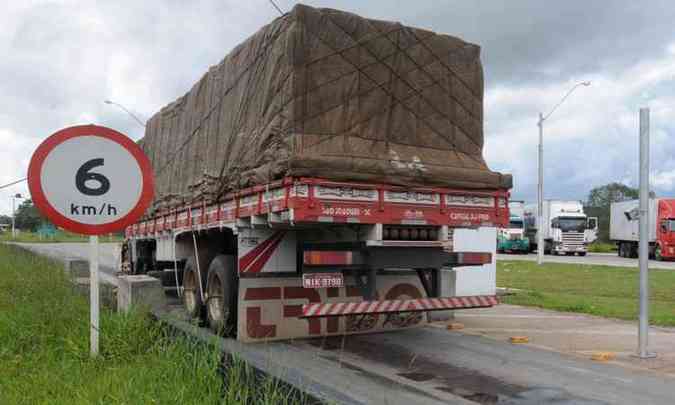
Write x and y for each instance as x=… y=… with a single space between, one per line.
x=518 y=224
x=572 y=224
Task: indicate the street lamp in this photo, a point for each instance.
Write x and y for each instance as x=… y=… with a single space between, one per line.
x=14 y=197
x=125 y=110
x=540 y=191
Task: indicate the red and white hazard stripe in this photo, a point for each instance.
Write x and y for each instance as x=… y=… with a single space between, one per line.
x=391 y=306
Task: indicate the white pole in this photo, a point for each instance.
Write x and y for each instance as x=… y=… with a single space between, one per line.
x=13 y=216
x=94 y=295
x=540 y=194
x=643 y=332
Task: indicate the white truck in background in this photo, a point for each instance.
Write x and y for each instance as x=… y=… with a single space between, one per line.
x=624 y=223
x=567 y=229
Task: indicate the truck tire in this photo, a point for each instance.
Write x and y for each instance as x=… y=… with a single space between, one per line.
x=221 y=301
x=582 y=254
x=192 y=297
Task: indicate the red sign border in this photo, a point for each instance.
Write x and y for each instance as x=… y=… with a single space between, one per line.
x=40 y=200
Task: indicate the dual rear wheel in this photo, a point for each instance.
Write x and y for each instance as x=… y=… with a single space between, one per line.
x=217 y=305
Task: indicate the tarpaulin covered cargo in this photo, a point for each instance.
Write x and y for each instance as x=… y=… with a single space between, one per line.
x=325 y=93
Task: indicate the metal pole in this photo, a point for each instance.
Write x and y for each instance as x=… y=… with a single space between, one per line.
x=540 y=194
x=643 y=333
x=13 y=216
x=93 y=294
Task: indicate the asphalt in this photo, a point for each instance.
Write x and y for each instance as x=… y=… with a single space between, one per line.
x=109 y=255
x=604 y=259
x=476 y=365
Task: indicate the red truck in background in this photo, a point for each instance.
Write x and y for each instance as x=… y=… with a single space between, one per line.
x=624 y=227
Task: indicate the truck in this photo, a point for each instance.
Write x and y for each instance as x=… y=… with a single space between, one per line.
x=512 y=237
x=624 y=227
x=566 y=228
x=326 y=178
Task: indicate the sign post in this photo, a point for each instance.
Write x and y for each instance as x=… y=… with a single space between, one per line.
x=91 y=180
x=93 y=294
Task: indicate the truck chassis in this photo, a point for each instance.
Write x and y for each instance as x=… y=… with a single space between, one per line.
x=307 y=257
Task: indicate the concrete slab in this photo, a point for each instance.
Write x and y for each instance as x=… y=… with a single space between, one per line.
x=140 y=291
x=576 y=334
x=76 y=268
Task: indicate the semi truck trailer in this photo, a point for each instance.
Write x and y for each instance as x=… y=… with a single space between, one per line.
x=325 y=178
x=512 y=237
x=566 y=228
x=624 y=227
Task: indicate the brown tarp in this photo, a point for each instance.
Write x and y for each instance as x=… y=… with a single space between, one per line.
x=325 y=93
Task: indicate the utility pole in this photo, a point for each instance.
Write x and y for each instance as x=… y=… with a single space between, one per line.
x=540 y=194
x=540 y=184
x=643 y=247
x=14 y=197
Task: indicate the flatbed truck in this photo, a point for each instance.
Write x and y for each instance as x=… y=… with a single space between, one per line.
x=305 y=257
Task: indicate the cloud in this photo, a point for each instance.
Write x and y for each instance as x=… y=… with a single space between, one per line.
x=60 y=60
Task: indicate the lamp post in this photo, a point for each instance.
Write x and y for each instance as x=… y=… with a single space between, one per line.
x=125 y=110
x=540 y=185
x=14 y=197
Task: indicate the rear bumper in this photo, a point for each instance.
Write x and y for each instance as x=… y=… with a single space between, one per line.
x=394 y=306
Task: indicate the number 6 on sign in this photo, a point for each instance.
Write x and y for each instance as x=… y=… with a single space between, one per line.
x=90 y=180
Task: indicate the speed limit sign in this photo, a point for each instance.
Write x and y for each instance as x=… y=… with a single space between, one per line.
x=90 y=180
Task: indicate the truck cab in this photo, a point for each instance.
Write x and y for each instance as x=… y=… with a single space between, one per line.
x=568 y=235
x=665 y=233
x=512 y=238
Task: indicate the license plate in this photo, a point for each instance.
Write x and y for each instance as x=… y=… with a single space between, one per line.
x=323 y=280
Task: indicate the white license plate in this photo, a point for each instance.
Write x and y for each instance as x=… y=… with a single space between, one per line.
x=323 y=280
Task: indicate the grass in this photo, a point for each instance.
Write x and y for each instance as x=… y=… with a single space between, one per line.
x=598 y=290
x=601 y=247
x=44 y=350
x=59 y=237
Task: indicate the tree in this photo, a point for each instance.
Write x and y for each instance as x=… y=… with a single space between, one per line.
x=5 y=219
x=599 y=201
x=604 y=196
x=28 y=217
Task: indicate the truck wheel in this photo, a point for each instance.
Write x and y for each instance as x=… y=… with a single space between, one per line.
x=657 y=254
x=221 y=302
x=619 y=250
x=192 y=298
x=582 y=253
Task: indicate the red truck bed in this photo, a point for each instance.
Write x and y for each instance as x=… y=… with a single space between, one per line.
x=312 y=200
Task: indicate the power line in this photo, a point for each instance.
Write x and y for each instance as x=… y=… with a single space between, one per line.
x=277 y=7
x=13 y=183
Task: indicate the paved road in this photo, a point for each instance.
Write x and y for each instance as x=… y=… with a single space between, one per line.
x=433 y=365
x=606 y=259
x=108 y=254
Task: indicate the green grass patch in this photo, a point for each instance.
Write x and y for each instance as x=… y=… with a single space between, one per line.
x=59 y=237
x=600 y=247
x=44 y=350
x=598 y=290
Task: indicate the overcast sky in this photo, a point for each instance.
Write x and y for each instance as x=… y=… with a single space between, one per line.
x=60 y=59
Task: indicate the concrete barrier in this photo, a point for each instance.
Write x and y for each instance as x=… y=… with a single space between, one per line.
x=76 y=268
x=140 y=291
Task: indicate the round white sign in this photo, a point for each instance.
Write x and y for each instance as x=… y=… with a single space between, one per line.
x=90 y=179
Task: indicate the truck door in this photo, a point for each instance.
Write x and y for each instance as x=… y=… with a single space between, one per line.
x=592 y=229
